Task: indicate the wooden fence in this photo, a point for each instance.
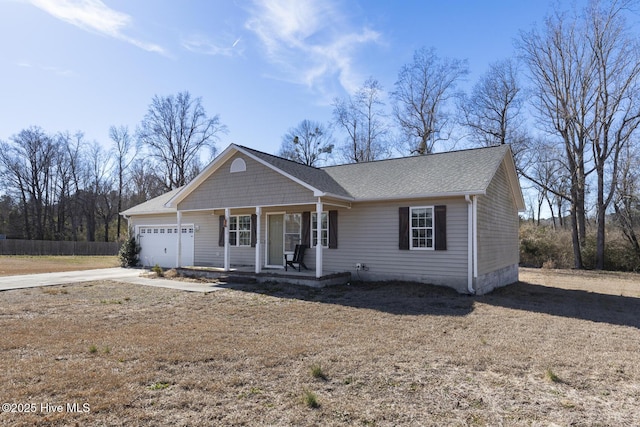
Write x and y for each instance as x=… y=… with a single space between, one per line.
x=48 y=247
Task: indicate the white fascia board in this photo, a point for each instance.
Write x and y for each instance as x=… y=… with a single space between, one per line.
x=173 y=211
x=514 y=183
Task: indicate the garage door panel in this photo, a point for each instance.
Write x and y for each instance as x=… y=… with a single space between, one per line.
x=158 y=244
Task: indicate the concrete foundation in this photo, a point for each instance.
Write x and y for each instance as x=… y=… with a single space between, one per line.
x=487 y=282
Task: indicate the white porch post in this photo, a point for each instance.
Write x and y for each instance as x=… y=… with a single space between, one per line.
x=227 y=251
x=258 y=246
x=179 y=241
x=319 y=238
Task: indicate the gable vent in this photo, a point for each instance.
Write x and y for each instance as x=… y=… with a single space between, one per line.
x=238 y=165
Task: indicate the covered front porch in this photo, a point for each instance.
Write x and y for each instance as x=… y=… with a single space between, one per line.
x=247 y=274
x=253 y=241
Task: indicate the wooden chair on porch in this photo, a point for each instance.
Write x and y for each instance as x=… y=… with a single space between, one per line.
x=297 y=258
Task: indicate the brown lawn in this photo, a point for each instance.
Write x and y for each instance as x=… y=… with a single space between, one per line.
x=387 y=354
x=11 y=265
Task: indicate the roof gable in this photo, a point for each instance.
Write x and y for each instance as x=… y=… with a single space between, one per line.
x=311 y=178
x=244 y=182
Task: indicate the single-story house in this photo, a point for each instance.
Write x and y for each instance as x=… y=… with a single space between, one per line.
x=447 y=219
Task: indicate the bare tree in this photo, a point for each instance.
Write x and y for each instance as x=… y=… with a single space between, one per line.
x=28 y=164
x=175 y=130
x=73 y=152
x=96 y=182
x=145 y=182
x=493 y=111
x=309 y=143
x=11 y=225
x=626 y=202
x=362 y=118
x=123 y=146
x=420 y=97
x=558 y=64
x=616 y=61
x=550 y=178
x=587 y=70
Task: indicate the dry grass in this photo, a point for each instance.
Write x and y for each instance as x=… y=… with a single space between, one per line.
x=388 y=354
x=11 y=265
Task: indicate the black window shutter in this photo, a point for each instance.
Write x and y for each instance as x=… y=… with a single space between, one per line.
x=254 y=230
x=306 y=228
x=333 y=229
x=441 y=227
x=221 y=228
x=403 y=235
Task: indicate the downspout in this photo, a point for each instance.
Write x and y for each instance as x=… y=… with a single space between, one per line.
x=475 y=237
x=126 y=218
x=470 y=244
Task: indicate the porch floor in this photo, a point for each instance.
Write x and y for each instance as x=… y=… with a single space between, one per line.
x=248 y=275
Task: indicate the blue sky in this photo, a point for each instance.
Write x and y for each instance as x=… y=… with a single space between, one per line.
x=263 y=66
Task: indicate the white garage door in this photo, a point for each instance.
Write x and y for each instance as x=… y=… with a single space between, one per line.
x=158 y=244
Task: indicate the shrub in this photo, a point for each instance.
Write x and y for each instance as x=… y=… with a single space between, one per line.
x=158 y=270
x=546 y=247
x=128 y=254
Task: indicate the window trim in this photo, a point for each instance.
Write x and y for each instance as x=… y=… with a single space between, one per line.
x=313 y=230
x=237 y=231
x=432 y=227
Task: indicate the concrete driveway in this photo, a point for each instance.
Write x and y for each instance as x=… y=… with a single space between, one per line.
x=127 y=275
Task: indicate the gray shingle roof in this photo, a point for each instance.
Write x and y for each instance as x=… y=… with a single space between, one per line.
x=153 y=206
x=313 y=176
x=455 y=172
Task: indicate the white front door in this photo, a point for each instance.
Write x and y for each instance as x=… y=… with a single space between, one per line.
x=275 y=242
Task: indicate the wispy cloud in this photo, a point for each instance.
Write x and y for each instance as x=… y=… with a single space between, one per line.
x=310 y=41
x=95 y=16
x=226 y=46
x=64 y=72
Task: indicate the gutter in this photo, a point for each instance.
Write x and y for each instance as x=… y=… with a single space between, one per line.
x=471 y=241
x=422 y=196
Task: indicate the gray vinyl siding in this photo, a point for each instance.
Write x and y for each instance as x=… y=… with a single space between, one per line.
x=257 y=186
x=203 y=237
x=497 y=226
x=368 y=234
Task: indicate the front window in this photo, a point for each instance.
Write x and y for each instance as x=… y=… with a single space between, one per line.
x=292 y=227
x=324 y=229
x=240 y=230
x=421 y=227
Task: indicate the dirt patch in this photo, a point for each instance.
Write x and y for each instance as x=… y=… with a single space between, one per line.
x=383 y=354
x=14 y=265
